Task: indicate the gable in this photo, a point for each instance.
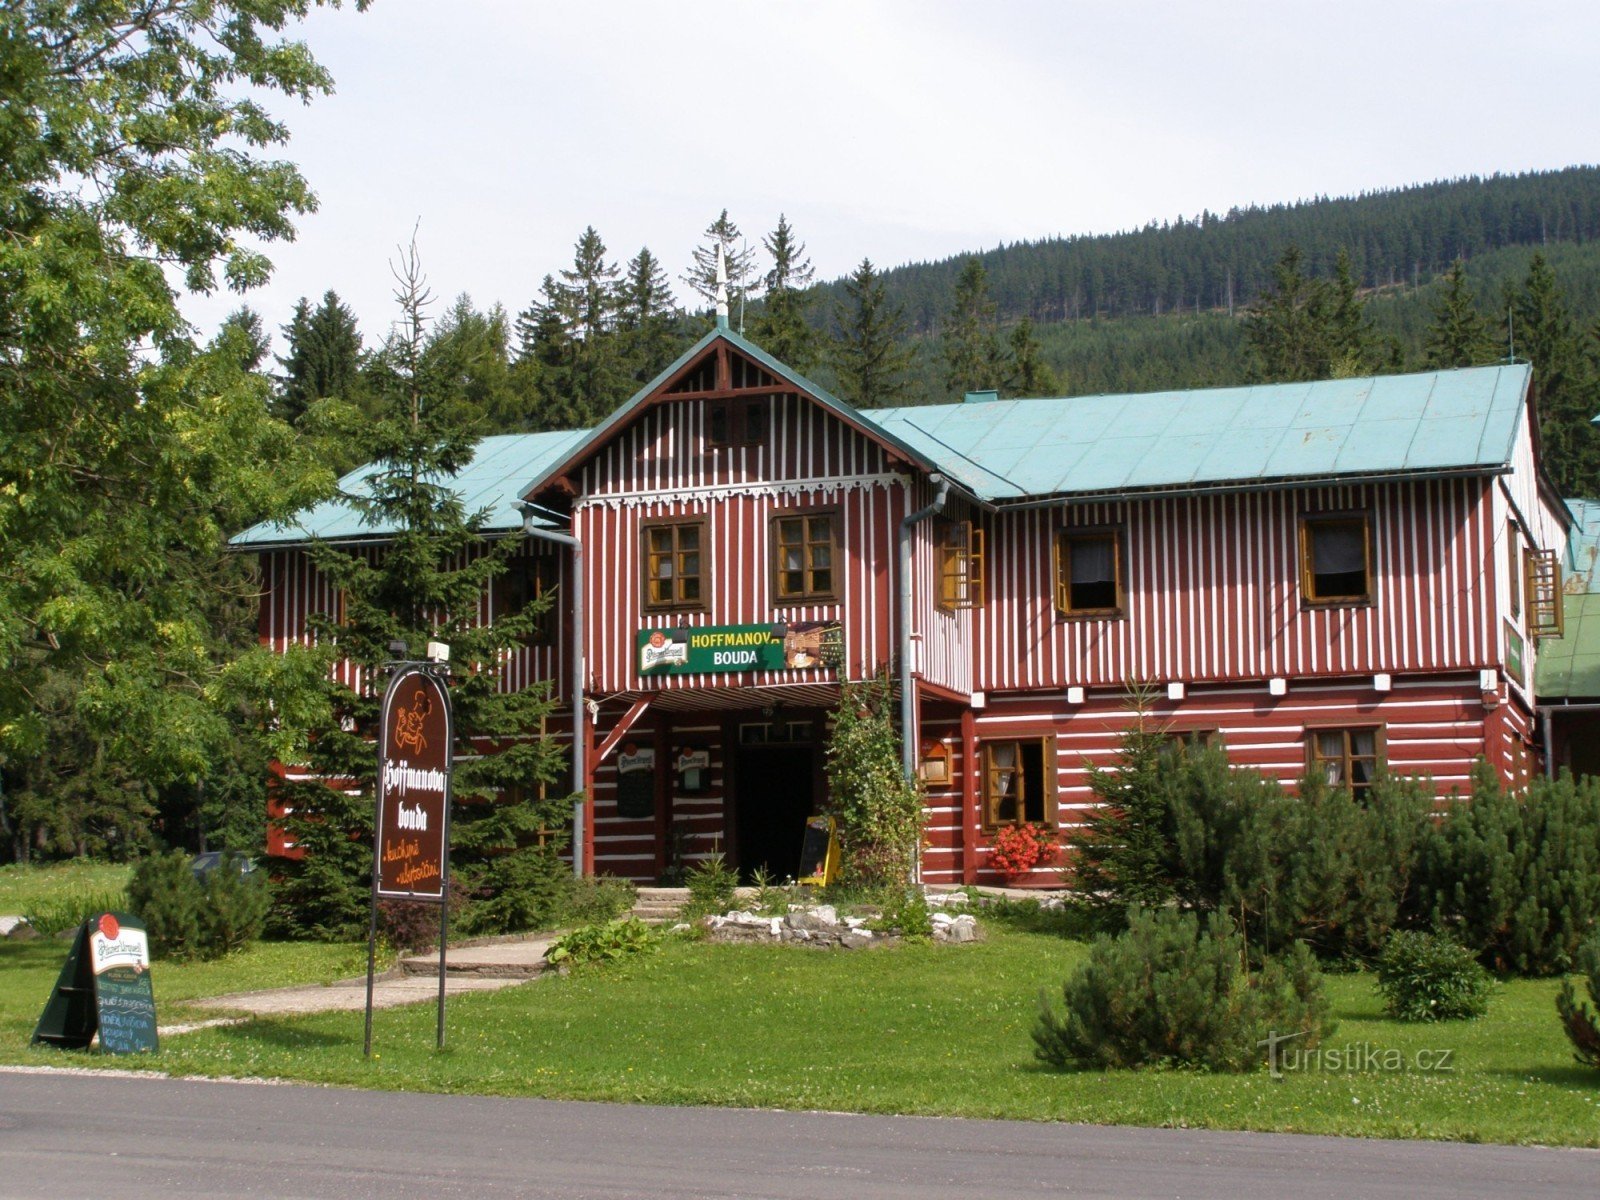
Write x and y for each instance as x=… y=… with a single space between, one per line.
x=725 y=415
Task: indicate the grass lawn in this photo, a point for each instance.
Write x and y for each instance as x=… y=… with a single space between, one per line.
x=28 y=971
x=917 y=1029
x=23 y=887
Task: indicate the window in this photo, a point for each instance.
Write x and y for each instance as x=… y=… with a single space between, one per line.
x=1019 y=782
x=803 y=547
x=737 y=424
x=961 y=565
x=1089 y=573
x=1188 y=740
x=1514 y=569
x=673 y=574
x=1545 y=618
x=1335 y=560
x=527 y=579
x=1346 y=758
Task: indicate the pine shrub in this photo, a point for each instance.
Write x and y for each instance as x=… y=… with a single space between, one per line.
x=1172 y=991
x=190 y=918
x=233 y=908
x=1579 y=1020
x=1179 y=825
x=1430 y=977
x=1517 y=878
x=165 y=895
x=711 y=883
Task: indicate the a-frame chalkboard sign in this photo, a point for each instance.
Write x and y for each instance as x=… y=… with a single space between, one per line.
x=104 y=987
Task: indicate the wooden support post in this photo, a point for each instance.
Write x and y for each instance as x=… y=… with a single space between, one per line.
x=663 y=743
x=969 y=796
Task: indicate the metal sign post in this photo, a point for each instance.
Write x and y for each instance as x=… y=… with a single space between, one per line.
x=411 y=832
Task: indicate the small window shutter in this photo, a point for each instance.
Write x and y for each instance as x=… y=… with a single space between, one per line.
x=1052 y=799
x=975 y=567
x=1544 y=594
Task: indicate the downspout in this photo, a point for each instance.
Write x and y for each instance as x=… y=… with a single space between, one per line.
x=580 y=824
x=908 y=749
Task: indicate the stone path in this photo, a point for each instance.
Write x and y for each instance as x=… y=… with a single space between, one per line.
x=481 y=968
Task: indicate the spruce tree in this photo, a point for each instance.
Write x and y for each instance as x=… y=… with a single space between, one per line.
x=1288 y=325
x=471 y=349
x=424 y=584
x=647 y=318
x=743 y=283
x=970 y=343
x=1546 y=337
x=324 y=359
x=1459 y=336
x=1351 y=339
x=781 y=327
x=1030 y=375
x=870 y=356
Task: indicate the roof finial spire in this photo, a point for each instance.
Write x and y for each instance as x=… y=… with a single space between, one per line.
x=722 y=287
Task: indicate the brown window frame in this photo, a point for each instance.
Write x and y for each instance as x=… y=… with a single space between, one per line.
x=1063 y=571
x=989 y=797
x=961 y=566
x=1347 y=760
x=1309 y=522
x=648 y=557
x=1208 y=737
x=1516 y=569
x=810 y=594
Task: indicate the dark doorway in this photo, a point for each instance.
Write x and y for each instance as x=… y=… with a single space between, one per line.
x=773 y=797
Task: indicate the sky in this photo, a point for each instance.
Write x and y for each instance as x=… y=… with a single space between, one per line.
x=898 y=131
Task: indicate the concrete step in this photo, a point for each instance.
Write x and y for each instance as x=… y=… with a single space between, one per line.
x=522 y=958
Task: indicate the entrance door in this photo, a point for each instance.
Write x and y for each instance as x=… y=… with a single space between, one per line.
x=773 y=797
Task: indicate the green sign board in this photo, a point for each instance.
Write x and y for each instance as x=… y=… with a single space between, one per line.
x=715 y=649
x=104 y=987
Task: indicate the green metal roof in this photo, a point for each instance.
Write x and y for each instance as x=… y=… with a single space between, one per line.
x=491 y=481
x=1569 y=666
x=1003 y=451
x=1014 y=449
x=1583 y=545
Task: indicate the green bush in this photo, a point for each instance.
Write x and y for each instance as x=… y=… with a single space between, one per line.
x=1430 y=977
x=1582 y=1023
x=905 y=912
x=1518 y=877
x=878 y=813
x=187 y=918
x=711 y=883
x=600 y=943
x=1172 y=991
x=592 y=900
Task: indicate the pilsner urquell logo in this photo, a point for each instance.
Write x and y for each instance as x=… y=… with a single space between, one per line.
x=408 y=721
x=660 y=650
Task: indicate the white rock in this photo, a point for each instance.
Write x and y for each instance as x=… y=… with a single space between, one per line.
x=826 y=913
x=7 y=924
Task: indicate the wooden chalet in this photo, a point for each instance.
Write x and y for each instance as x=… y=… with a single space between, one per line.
x=1336 y=576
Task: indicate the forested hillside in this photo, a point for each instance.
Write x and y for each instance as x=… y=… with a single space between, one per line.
x=1404 y=235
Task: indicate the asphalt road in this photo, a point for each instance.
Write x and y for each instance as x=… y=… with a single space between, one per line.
x=98 y=1135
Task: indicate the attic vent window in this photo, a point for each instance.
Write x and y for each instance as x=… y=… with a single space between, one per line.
x=737 y=424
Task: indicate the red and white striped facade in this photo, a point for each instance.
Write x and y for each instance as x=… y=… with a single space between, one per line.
x=1213 y=618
